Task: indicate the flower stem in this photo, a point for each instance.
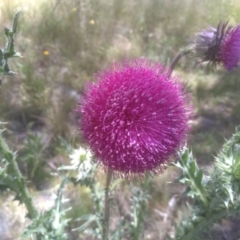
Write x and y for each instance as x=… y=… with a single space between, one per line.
x=106 y=208
x=182 y=53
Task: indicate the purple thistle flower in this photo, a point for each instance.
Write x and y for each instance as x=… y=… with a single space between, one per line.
x=230 y=48
x=135 y=117
x=219 y=45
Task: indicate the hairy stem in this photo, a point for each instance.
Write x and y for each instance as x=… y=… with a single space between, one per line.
x=106 y=208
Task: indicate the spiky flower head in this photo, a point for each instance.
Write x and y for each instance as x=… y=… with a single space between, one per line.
x=230 y=48
x=219 y=45
x=134 y=117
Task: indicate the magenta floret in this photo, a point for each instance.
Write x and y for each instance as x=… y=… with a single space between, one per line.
x=230 y=48
x=219 y=45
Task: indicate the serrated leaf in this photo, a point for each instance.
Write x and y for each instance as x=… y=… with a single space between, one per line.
x=192 y=176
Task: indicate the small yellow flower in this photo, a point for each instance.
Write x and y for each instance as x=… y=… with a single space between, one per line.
x=92 y=22
x=74 y=9
x=46 y=53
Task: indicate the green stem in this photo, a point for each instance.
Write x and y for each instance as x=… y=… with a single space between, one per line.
x=138 y=231
x=106 y=208
x=182 y=53
x=24 y=193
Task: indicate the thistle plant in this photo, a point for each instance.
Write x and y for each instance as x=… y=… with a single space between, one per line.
x=134 y=120
x=10 y=175
x=219 y=45
x=138 y=100
x=215 y=196
x=50 y=224
x=9 y=50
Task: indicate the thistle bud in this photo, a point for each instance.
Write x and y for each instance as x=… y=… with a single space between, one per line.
x=219 y=45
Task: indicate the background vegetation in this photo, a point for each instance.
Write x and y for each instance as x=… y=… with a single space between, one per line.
x=64 y=42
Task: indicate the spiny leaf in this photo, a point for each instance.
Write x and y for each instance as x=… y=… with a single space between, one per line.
x=192 y=175
x=9 y=51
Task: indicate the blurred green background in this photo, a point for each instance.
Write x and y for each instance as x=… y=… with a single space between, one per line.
x=64 y=42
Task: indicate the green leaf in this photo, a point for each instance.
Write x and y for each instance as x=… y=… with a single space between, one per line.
x=199 y=177
x=192 y=175
x=15 y=22
x=9 y=51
